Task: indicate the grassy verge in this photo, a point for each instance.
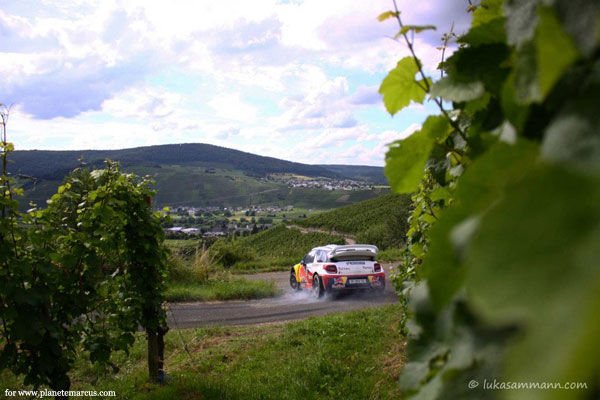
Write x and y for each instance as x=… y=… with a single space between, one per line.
x=267 y=264
x=231 y=289
x=355 y=355
x=390 y=254
x=195 y=276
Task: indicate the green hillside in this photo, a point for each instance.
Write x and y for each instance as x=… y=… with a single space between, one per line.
x=381 y=221
x=277 y=248
x=197 y=175
x=55 y=164
x=288 y=242
x=368 y=173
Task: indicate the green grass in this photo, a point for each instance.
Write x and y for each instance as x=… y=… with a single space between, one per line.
x=232 y=289
x=356 y=355
x=391 y=254
x=195 y=276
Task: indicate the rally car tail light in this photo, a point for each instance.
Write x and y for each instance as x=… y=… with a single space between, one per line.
x=331 y=268
x=377 y=267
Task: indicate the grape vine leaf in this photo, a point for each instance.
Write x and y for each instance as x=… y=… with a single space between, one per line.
x=573 y=136
x=450 y=90
x=554 y=48
x=485 y=63
x=406 y=158
x=486 y=33
x=443 y=266
x=521 y=21
x=544 y=275
x=399 y=87
x=575 y=140
x=487 y=11
x=581 y=20
x=513 y=110
x=387 y=15
x=526 y=82
x=449 y=352
x=415 y=28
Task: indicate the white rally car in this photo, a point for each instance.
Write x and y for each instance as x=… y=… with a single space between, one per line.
x=334 y=268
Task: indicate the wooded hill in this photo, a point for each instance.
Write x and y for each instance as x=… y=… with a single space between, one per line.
x=197 y=175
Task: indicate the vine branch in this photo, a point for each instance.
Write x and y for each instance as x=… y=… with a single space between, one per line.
x=425 y=86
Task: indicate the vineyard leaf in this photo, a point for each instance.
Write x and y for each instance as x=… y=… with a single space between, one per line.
x=521 y=20
x=487 y=11
x=450 y=90
x=573 y=137
x=555 y=50
x=440 y=193
x=399 y=87
x=581 y=20
x=575 y=140
x=415 y=28
x=515 y=112
x=387 y=15
x=487 y=33
x=484 y=63
x=406 y=158
x=476 y=191
x=527 y=89
x=544 y=275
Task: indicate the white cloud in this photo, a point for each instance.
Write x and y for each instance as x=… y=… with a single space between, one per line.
x=230 y=106
x=281 y=78
x=143 y=103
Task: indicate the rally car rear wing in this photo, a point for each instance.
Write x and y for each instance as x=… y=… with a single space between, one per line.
x=366 y=250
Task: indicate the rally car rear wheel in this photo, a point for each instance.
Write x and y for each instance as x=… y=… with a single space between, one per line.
x=317 y=288
x=293 y=282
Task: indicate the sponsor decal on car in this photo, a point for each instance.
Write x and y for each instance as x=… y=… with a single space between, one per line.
x=339 y=283
x=375 y=281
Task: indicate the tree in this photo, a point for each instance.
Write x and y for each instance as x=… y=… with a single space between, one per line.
x=99 y=242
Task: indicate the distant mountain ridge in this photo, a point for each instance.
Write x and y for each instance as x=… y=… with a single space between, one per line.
x=47 y=163
x=195 y=174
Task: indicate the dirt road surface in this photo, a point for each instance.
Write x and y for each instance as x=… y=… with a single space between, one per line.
x=286 y=307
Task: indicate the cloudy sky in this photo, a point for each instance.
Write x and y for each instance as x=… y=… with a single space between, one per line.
x=292 y=79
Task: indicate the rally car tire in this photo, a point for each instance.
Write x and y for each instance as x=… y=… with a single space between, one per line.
x=317 y=288
x=293 y=282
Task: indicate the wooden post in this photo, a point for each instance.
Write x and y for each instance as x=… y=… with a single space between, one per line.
x=153 y=356
x=161 y=352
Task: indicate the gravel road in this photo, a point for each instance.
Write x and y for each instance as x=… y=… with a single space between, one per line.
x=289 y=306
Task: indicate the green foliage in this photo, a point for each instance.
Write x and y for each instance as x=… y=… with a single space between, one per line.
x=399 y=88
x=406 y=158
x=229 y=252
x=281 y=241
x=274 y=249
x=85 y=272
x=190 y=264
x=196 y=275
x=502 y=270
x=380 y=221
